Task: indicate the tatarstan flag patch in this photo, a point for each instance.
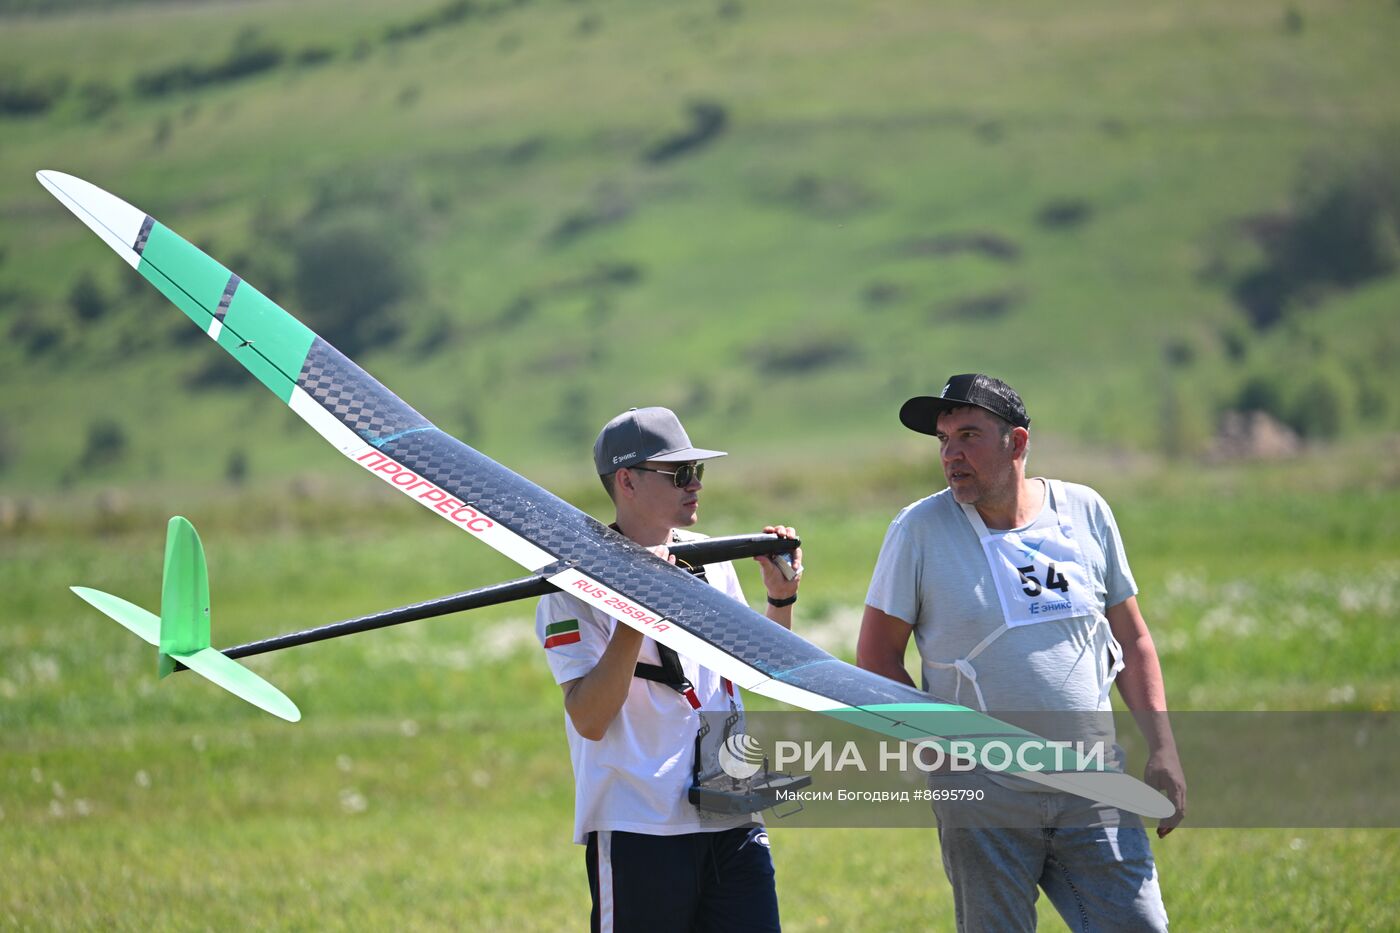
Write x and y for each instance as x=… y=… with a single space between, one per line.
x=563 y=632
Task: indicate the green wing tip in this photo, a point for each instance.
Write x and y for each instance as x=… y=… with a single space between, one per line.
x=138 y=621
x=241 y=682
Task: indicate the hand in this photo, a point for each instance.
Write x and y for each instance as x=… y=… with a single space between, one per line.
x=1163 y=773
x=777 y=585
x=663 y=552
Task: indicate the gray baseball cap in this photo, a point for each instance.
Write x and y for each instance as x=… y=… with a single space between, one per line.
x=641 y=434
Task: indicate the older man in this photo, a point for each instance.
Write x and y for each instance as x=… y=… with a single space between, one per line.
x=1018 y=594
x=633 y=710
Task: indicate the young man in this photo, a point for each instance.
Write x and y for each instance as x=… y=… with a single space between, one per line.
x=1018 y=594
x=655 y=862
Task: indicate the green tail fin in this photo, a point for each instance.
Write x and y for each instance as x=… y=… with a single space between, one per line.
x=184 y=595
x=182 y=632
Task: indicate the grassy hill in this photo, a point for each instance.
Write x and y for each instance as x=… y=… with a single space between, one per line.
x=781 y=219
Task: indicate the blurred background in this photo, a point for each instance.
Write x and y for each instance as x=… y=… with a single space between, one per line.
x=1175 y=230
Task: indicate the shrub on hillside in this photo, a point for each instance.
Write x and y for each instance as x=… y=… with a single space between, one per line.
x=984 y=307
x=707 y=121
x=1343 y=231
x=1320 y=407
x=978 y=243
x=313 y=55
x=86 y=298
x=880 y=293
x=36 y=334
x=609 y=206
x=236 y=467
x=1263 y=392
x=250 y=55
x=105 y=444
x=1323 y=405
x=1064 y=213
x=20 y=97
x=446 y=15
x=348 y=278
x=803 y=355
x=216 y=370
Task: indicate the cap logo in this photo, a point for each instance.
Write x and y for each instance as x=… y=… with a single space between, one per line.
x=946 y=387
x=626 y=456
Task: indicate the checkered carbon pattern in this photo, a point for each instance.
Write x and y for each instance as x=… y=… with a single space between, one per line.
x=578 y=540
x=227 y=298
x=851 y=685
x=144 y=234
x=354 y=396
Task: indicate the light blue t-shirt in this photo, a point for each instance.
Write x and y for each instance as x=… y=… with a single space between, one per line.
x=932 y=573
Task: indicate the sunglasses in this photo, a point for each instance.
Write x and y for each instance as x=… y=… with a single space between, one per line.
x=682 y=476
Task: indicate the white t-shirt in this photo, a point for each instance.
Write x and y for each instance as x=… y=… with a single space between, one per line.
x=636 y=777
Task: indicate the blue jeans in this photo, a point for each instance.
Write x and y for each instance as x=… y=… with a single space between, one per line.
x=1093 y=862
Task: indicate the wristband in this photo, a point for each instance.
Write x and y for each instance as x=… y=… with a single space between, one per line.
x=780 y=603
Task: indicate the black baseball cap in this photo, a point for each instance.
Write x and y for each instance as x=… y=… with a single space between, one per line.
x=641 y=434
x=921 y=413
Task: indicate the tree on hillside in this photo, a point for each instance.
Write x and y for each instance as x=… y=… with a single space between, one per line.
x=348 y=278
x=104 y=445
x=1343 y=231
x=86 y=298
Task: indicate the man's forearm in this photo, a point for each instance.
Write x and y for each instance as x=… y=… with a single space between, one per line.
x=1140 y=682
x=1141 y=686
x=780 y=614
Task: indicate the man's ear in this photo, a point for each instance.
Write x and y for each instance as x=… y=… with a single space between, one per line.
x=1020 y=439
x=623 y=483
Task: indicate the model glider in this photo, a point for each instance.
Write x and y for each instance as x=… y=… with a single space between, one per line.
x=554 y=541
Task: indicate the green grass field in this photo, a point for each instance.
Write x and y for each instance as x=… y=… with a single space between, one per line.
x=900 y=190
x=428 y=785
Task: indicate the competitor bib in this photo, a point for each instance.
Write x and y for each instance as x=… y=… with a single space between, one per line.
x=1039 y=573
x=1039 y=576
